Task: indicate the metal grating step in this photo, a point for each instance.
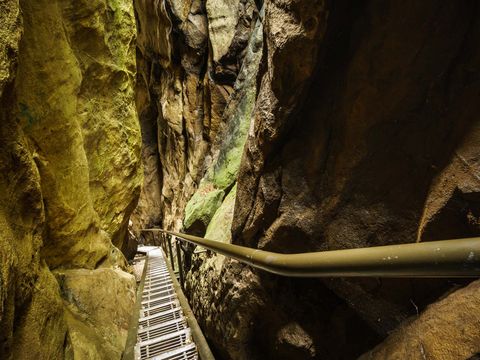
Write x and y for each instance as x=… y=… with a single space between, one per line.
x=157 y=287
x=164 y=344
x=160 y=318
x=159 y=308
x=187 y=352
x=181 y=334
x=158 y=295
x=162 y=329
x=163 y=313
x=157 y=278
x=158 y=300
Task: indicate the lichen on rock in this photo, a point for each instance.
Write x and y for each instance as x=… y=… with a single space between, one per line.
x=202 y=206
x=219 y=226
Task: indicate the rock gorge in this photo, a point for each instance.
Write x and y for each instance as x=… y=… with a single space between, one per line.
x=283 y=125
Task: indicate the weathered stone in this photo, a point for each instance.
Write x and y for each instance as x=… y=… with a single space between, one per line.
x=230 y=318
x=99 y=306
x=10 y=33
x=296 y=343
x=351 y=142
x=41 y=330
x=50 y=72
x=185 y=99
x=226 y=151
x=202 y=206
x=106 y=104
x=148 y=212
x=30 y=305
x=222 y=22
x=219 y=226
x=448 y=330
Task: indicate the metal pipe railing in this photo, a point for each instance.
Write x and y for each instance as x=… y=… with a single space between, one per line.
x=446 y=258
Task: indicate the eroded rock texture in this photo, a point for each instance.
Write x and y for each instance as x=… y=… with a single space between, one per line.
x=69 y=176
x=292 y=126
x=445 y=330
x=183 y=89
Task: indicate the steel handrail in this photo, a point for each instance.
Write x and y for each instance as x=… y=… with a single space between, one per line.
x=446 y=258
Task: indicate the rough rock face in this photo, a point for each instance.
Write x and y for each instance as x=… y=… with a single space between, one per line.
x=69 y=175
x=97 y=334
x=445 y=330
x=363 y=130
x=182 y=94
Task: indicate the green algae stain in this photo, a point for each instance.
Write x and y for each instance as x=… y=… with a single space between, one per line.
x=228 y=164
x=202 y=205
x=219 y=227
x=25 y=114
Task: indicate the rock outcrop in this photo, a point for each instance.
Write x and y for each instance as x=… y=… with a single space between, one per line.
x=69 y=176
x=97 y=333
x=369 y=151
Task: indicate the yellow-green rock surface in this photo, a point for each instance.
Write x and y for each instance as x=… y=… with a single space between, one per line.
x=69 y=176
x=97 y=315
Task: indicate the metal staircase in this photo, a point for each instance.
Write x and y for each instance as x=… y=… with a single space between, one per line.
x=163 y=332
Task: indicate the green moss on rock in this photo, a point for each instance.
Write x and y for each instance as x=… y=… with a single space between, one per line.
x=69 y=174
x=202 y=205
x=219 y=227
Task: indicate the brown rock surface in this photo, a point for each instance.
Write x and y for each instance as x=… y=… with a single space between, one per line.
x=448 y=330
x=371 y=150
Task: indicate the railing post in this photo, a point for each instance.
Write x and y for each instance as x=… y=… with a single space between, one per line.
x=169 y=237
x=163 y=243
x=179 y=262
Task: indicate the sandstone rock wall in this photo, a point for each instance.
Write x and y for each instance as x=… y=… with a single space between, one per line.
x=69 y=176
x=184 y=83
x=362 y=130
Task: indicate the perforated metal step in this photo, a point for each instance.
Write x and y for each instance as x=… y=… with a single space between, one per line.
x=163 y=333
